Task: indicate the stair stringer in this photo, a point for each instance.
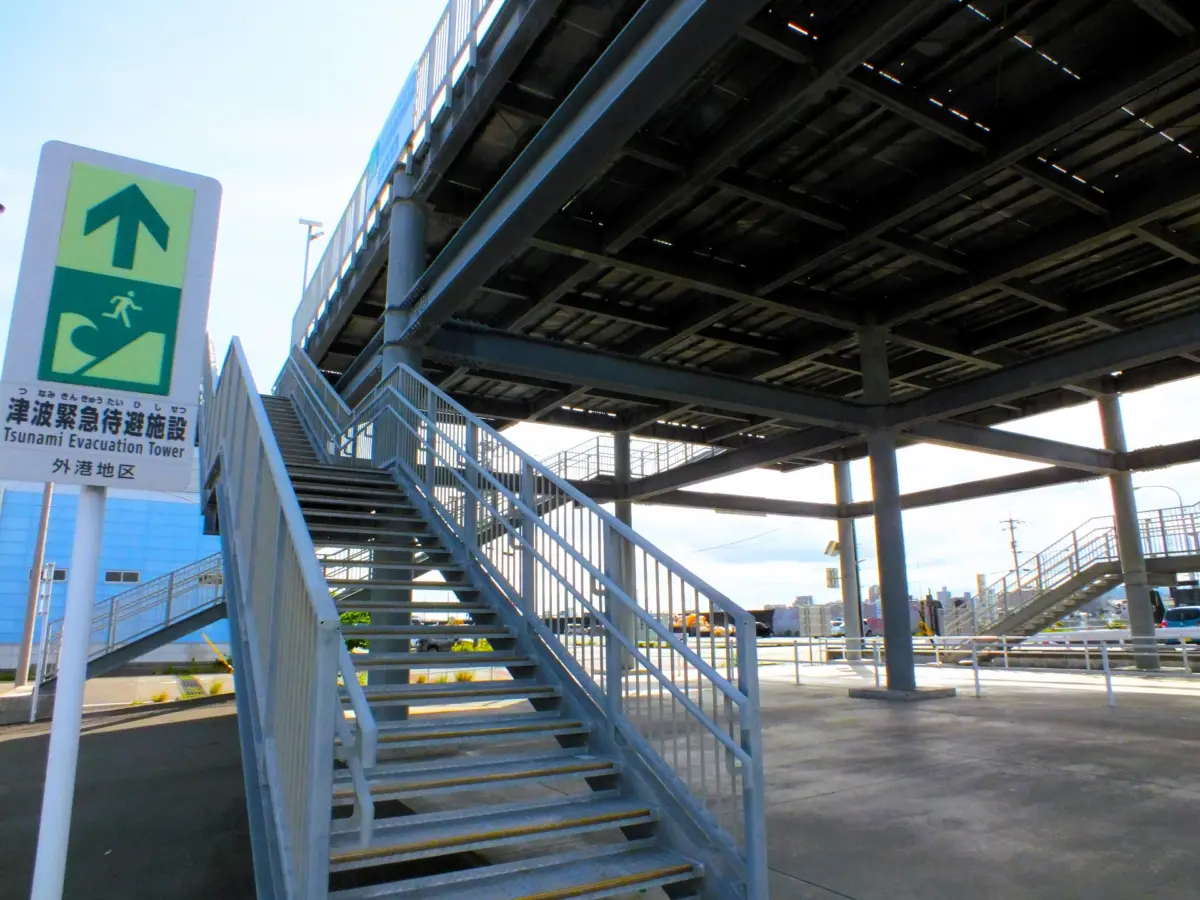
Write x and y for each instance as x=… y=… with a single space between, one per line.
x=684 y=825
x=1052 y=598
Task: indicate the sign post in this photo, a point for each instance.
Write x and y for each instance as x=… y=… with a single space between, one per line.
x=100 y=385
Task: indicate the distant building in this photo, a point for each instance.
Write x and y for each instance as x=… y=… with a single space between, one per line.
x=944 y=597
x=805 y=600
x=873 y=593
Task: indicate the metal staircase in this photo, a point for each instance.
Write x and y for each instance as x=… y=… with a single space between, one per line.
x=134 y=622
x=616 y=759
x=1073 y=571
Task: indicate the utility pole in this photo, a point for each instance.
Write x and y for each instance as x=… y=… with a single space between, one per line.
x=1012 y=524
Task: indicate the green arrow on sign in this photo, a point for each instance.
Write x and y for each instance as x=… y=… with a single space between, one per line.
x=130 y=208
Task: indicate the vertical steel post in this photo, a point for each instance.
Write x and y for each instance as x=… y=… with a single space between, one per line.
x=25 y=648
x=170 y=598
x=528 y=489
x=889 y=523
x=1133 y=561
x=848 y=562
x=59 y=792
x=470 y=492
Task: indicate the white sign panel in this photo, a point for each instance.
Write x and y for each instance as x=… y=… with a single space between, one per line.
x=101 y=378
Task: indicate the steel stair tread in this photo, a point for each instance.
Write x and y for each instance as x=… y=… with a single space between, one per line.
x=378 y=514
x=399 y=606
x=391 y=585
x=396 y=781
x=466 y=691
x=472 y=659
x=488 y=725
x=430 y=629
x=586 y=875
x=416 y=837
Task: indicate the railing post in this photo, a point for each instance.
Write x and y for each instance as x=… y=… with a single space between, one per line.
x=431 y=439
x=614 y=653
x=112 y=623
x=470 y=492
x=1038 y=560
x=529 y=536
x=1162 y=527
x=1076 y=567
x=170 y=598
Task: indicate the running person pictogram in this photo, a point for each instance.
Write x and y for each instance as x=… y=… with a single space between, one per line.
x=123 y=304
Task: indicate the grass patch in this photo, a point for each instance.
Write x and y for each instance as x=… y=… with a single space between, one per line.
x=464 y=676
x=215 y=688
x=160 y=697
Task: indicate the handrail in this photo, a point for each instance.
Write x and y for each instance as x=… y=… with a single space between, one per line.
x=674 y=660
x=290 y=625
x=1092 y=542
x=463 y=29
x=596 y=458
x=153 y=605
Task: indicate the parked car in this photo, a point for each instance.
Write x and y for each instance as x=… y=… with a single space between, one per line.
x=1182 y=617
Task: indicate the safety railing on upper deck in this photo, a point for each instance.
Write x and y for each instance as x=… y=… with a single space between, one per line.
x=670 y=662
x=290 y=629
x=596 y=458
x=426 y=97
x=134 y=614
x=1164 y=532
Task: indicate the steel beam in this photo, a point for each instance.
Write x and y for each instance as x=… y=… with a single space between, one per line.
x=1028 y=132
x=647 y=63
x=1168 y=14
x=1015 y=446
x=1110 y=354
x=735 y=504
x=463 y=345
x=763 y=453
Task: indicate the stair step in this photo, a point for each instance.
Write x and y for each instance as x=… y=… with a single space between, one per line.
x=488 y=727
x=436 y=658
x=337 y=532
x=396 y=782
x=416 y=607
x=378 y=499
x=364 y=473
x=432 y=692
x=432 y=629
x=333 y=563
x=421 y=837
x=359 y=516
x=608 y=871
x=398 y=585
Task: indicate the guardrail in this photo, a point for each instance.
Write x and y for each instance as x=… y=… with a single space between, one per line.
x=139 y=612
x=596 y=458
x=561 y=557
x=1164 y=532
x=291 y=632
x=427 y=95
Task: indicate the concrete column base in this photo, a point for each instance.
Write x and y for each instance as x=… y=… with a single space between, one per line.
x=916 y=694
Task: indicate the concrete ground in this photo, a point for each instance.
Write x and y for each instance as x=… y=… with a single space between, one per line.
x=1036 y=792
x=1026 y=794
x=160 y=809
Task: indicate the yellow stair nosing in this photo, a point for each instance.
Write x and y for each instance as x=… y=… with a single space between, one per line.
x=603 y=765
x=609 y=883
x=458 y=840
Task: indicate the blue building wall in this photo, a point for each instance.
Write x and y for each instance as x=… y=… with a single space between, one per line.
x=141 y=534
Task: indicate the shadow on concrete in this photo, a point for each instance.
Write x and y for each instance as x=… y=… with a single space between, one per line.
x=160 y=808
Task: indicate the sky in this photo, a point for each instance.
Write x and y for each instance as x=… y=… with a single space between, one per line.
x=281 y=101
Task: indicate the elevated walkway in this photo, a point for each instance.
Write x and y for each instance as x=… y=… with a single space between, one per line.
x=409 y=526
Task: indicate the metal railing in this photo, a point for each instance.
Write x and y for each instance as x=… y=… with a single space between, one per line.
x=1164 y=532
x=672 y=662
x=290 y=630
x=139 y=612
x=596 y=458
x=464 y=27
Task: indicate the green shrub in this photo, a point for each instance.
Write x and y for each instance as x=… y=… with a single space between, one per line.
x=356 y=617
x=160 y=697
x=215 y=688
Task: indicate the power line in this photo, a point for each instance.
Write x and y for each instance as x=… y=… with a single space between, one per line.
x=740 y=541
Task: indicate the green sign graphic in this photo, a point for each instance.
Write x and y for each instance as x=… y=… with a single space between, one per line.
x=114 y=303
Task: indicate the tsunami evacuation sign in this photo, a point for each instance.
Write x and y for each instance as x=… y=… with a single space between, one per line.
x=101 y=378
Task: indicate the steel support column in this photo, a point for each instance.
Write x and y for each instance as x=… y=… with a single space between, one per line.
x=848 y=560
x=1129 y=540
x=889 y=525
x=406 y=263
x=407 y=252
x=624 y=566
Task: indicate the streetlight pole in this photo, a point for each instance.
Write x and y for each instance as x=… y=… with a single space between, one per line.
x=312 y=236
